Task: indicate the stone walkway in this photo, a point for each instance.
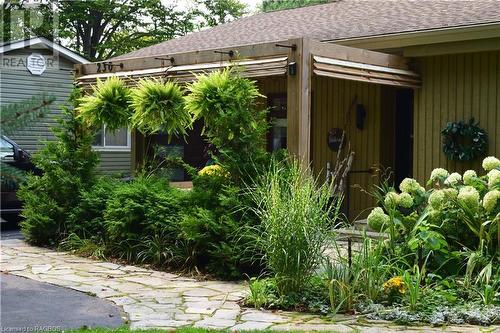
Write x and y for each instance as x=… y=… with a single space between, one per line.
x=152 y=299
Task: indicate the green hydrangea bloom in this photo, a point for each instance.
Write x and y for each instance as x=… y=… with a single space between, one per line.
x=436 y=199
x=453 y=179
x=469 y=196
x=490 y=163
x=410 y=185
x=490 y=200
x=493 y=178
x=391 y=200
x=438 y=174
x=405 y=200
x=378 y=220
x=469 y=177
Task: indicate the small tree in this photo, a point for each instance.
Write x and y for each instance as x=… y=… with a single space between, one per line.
x=68 y=166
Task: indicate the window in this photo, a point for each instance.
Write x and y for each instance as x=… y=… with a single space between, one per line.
x=112 y=140
x=277 y=119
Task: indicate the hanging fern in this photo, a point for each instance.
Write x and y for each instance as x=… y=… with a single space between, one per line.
x=159 y=106
x=108 y=104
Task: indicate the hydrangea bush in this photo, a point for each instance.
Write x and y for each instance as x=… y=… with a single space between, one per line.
x=454 y=205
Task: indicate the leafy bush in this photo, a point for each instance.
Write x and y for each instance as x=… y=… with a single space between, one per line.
x=87 y=218
x=159 y=106
x=295 y=212
x=143 y=208
x=68 y=166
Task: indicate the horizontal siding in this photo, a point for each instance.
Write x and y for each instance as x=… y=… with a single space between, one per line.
x=115 y=162
x=18 y=84
x=455 y=87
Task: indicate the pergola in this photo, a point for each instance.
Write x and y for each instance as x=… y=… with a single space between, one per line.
x=299 y=59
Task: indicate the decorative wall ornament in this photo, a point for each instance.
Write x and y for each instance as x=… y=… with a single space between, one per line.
x=464 y=141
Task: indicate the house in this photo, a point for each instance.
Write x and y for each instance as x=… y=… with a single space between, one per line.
x=36 y=66
x=391 y=74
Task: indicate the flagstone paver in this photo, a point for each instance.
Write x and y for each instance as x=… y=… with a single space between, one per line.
x=153 y=299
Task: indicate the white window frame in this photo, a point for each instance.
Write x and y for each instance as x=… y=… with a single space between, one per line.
x=113 y=148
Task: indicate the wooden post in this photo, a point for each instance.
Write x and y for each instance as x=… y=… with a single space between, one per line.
x=299 y=103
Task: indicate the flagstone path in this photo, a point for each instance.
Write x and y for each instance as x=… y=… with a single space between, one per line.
x=153 y=299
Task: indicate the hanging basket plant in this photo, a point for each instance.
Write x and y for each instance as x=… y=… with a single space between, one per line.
x=159 y=107
x=464 y=141
x=108 y=104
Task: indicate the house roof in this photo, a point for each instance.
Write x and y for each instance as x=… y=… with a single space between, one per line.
x=337 y=20
x=44 y=42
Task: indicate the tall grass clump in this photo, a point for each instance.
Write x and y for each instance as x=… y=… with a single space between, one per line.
x=296 y=213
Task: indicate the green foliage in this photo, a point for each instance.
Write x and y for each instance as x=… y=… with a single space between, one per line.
x=272 y=5
x=108 y=104
x=227 y=104
x=159 y=106
x=68 y=167
x=295 y=213
x=16 y=116
x=86 y=219
x=142 y=208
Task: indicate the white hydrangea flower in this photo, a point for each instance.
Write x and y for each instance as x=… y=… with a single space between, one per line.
x=469 y=196
x=493 y=178
x=391 y=199
x=405 y=200
x=490 y=163
x=436 y=199
x=490 y=200
x=410 y=185
x=469 y=177
x=450 y=193
x=453 y=179
x=438 y=174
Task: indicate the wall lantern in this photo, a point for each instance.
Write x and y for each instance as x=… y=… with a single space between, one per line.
x=292 y=68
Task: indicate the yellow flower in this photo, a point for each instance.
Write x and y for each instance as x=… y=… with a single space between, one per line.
x=395 y=284
x=212 y=170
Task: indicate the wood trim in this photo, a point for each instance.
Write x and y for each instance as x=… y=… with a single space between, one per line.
x=412 y=38
x=255 y=51
x=480 y=45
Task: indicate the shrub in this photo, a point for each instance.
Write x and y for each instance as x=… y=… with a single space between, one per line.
x=145 y=207
x=68 y=166
x=295 y=212
x=87 y=219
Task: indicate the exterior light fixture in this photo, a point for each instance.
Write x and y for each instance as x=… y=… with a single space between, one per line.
x=292 y=68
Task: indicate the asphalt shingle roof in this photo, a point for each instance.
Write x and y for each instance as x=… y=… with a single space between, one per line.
x=332 y=21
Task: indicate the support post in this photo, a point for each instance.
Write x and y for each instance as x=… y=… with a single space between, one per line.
x=299 y=103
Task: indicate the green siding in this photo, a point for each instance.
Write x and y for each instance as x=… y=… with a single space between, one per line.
x=18 y=84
